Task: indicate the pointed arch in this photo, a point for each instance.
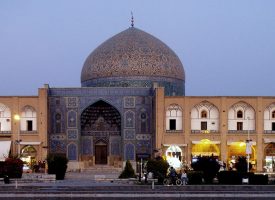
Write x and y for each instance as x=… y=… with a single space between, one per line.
x=269 y=118
x=129 y=151
x=28 y=118
x=5 y=118
x=241 y=117
x=58 y=119
x=204 y=117
x=72 y=119
x=100 y=116
x=129 y=119
x=72 y=151
x=174 y=118
x=143 y=120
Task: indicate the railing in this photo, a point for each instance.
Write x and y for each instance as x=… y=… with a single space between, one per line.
x=269 y=131
x=174 y=131
x=241 y=131
x=205 y=131
x=28 y=132
x=5 y=132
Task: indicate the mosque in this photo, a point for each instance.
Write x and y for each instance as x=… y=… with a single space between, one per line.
x=131 y=106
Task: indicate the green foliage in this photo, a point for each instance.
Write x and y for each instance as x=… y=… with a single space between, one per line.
x=208 y=165
x=258 y=179
x=57 y=164
x=241 y=164
x=158 y=167
x=194 y=177
x=236 y=177
x=2 y=169
x=13 y=167
x=230 y=177
x=128 y=171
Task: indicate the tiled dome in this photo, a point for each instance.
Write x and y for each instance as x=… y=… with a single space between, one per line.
x=131 y=55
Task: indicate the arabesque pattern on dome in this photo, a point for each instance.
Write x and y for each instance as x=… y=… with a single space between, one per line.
x=132 y=53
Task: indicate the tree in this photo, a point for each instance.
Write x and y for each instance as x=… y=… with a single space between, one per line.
x=128 y=171
x=57 y=164
x=208 y=165
x=13 y=167
x=158 y=167
x=241 y=164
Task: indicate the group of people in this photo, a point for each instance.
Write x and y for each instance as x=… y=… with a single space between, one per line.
x=173 y=175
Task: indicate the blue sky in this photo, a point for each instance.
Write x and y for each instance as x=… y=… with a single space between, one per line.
x=227 y=47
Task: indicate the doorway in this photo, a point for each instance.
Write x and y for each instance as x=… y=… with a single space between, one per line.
x=101 y=153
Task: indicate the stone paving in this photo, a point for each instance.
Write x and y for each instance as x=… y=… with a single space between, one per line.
x=85 y=186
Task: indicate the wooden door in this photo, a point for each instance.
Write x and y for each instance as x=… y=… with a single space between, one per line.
x=101 y=154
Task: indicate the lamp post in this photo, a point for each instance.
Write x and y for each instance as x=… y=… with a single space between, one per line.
x=248 y=145
x=17 y=118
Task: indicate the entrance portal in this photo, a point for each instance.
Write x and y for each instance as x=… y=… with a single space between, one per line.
x=100 y=153
x=100 y=129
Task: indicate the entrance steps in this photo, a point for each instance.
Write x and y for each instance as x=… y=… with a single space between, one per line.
x=99 y=172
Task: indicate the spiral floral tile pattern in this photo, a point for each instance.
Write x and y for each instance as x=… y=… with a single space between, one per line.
x=132 y=53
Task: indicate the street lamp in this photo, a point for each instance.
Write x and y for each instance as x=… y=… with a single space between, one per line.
x=17 y=118
x=248 y=145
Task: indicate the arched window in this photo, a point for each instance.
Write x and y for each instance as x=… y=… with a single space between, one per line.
x=28 y=154
x=143 y=121
x=58 y=123
x=174 y=118
x=72 y=152
x=28 y=119
x=240 y=114
x=273 y=114
x=5 y=118
x=203 y=114
x=129 y=119
x=129 y=152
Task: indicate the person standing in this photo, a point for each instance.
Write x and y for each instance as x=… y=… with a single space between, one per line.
x=184 y=177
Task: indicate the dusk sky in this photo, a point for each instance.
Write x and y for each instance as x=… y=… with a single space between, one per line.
x=227 y=47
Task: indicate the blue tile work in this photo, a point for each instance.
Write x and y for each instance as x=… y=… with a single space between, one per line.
x=87 y=145
x=172 y=87
x=129 y=119
x=129 y=102
x=95 y=92
x=58 y=146
x=72 y=134
x=143 y=121
x=72 y=119
x=116 y=146
x=132 y=52
x=129 y=151
x=143 y=146
x=70 y=104
x=72 y=152
x=129 y=134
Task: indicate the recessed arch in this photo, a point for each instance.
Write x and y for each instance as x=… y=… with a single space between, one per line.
x=203 y=114
x=269 y=118
x=241 y=116
x=28 y=118
x=72 y=151
x=204 y=117
x=29 y=155
x=174 y=118
x=5 y=118
x=205 y=147
x=99 y=121
x=100 y=116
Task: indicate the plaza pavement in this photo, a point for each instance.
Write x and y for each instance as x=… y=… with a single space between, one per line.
x=83 y=186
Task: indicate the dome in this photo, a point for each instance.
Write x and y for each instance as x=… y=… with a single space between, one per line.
x=133 y=58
